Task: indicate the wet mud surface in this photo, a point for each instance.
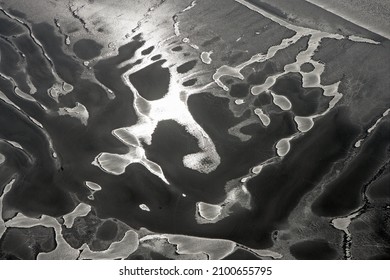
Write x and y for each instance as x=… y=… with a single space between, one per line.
x=199 y=130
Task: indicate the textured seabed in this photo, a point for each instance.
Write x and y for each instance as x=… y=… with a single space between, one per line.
x=170 y=129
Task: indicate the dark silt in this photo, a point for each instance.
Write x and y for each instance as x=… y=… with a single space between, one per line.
x=86 y=163
x=344 y=194
x=87 y=49
x=187 y=66
x=152 y=82
x=313 y=250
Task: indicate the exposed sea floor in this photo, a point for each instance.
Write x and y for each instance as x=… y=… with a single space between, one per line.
x=192 y=130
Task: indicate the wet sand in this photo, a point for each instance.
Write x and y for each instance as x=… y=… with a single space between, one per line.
x=358 y=175
x=371 y=14
x=190 y=138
